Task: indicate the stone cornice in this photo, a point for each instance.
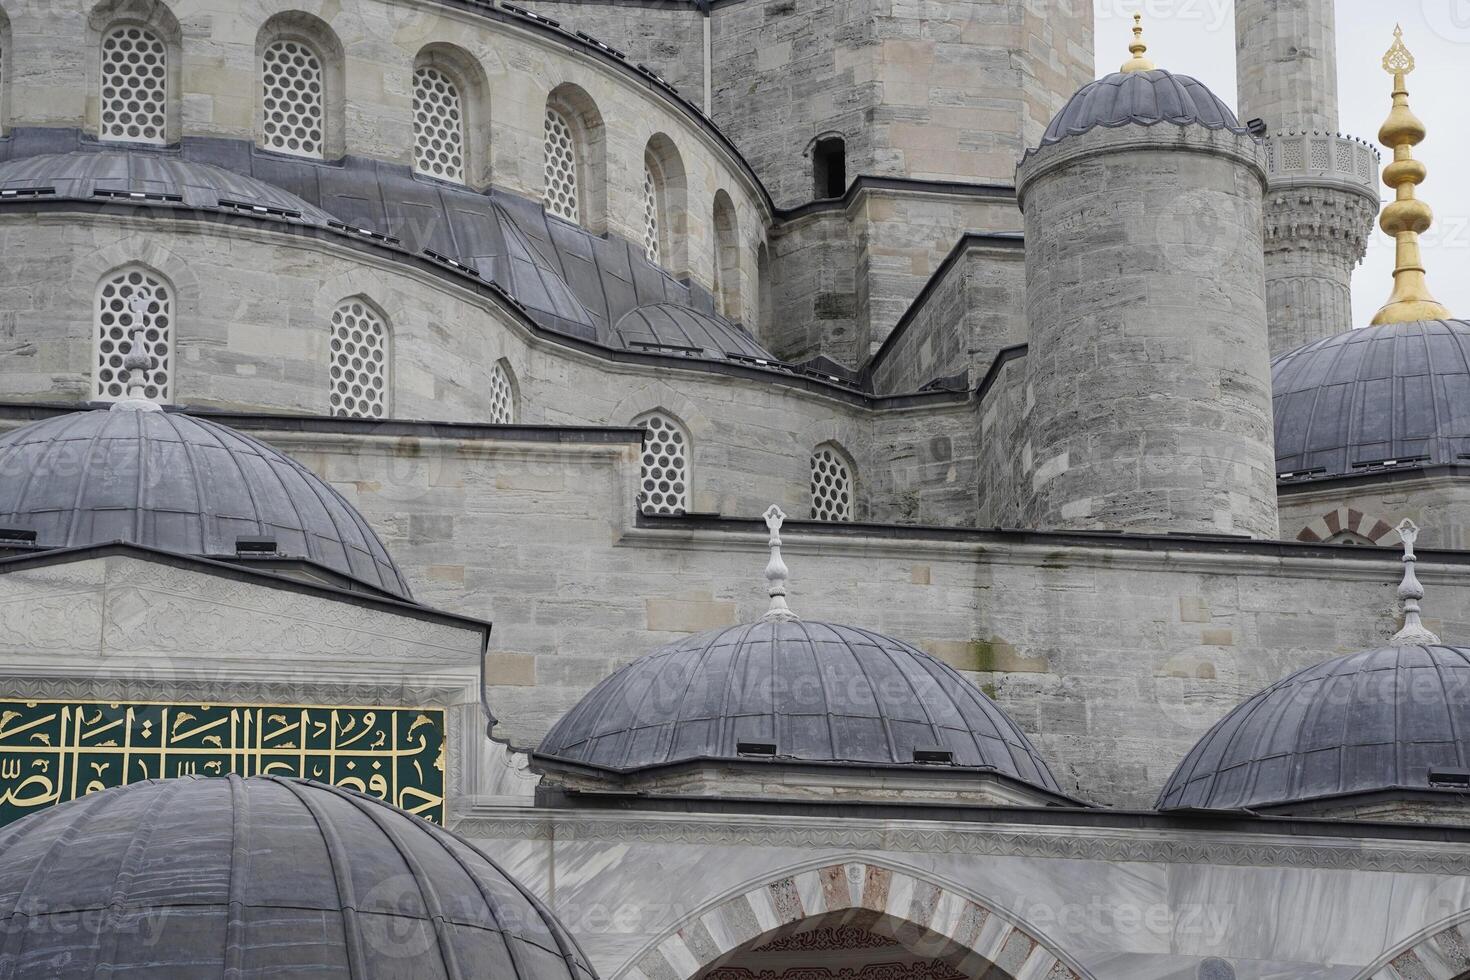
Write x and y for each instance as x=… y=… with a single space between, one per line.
x=1434 y=854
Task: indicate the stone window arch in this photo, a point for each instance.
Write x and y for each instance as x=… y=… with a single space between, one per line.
x=829 y=166
x=727 y=257
x=1348 y=525
x=450 y=116
x=833 y=486
x=665 y=212
x=663 y=479
x=300 y=109
x=501 y=389
x=135 y=305
x=361 y=360
x=575 y=159
x=133 y=72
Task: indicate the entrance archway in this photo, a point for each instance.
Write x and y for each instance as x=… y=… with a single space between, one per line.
x=877 y=912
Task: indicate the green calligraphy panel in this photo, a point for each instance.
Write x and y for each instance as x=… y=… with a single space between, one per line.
x=55 y=751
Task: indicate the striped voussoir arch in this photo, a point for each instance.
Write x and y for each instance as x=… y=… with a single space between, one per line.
x=1375 y=529
x=927 y=917
x=1441 y=954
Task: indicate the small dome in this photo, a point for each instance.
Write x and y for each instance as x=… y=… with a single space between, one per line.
x=666 y=325
x=1142 y=98
x=201 y=185
x=1371 y=721
x=1396 y=392
x=168 y=481
x=821 y=693
x=262 y=877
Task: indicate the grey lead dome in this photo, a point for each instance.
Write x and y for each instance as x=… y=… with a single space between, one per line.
x=1396 y=392
x=821 y=692
x=191 y=878
x=1143 y=98
x=1370 y=721
x=169 y=481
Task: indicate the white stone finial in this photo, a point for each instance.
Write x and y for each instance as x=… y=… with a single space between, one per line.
x=137 y=361
x=776 y=571
x=1410 y=592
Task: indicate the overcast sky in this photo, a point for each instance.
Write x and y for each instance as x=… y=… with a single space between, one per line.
x=1197 y=37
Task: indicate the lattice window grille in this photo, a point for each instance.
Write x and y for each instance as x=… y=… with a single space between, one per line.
x=561 y=196
x=438 y=125
x=133 y=306
x=650 y=213
x=665 y=471
x=359 y=362
x=502 y=398
x=831 y=487
x=294 y=99
x=134 y=79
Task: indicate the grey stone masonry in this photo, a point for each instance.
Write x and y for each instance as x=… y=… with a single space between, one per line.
x=1148 y=376
x=1286 y=64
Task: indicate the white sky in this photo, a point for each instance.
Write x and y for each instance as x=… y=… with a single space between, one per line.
x=1197 y=37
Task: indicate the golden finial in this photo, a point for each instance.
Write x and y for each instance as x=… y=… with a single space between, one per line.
x=1407 y=217
x=1138 y=62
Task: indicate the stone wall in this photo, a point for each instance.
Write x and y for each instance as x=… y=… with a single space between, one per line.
x=974 y=307
x=1438 y=501
x=1113 y=653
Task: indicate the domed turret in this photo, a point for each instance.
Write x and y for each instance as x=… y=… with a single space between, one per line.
x=169 y=481
x=262 y=877
x=1147 y=361
x=788 y=692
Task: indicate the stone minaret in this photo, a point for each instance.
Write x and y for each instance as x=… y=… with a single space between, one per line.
x=1322 y=193
x=1147 y=369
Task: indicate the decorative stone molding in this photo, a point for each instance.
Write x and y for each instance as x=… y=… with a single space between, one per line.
x=1317 y=218
x=1322 y=159
x=1369 y=526
x=929 y=918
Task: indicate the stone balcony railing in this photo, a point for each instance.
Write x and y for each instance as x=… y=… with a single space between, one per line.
x=1317 y=159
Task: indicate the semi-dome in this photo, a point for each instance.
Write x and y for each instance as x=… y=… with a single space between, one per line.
x=1140 y=98
x=262 y=877
x=170 y=481
x=84 y=175
x=1394 y=393
x=672 y=326
x=1368 y=722
x=819 y=692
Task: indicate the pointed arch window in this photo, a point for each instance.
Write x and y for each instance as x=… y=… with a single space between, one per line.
x=293 y=84
x=502 y=397
x=832 y=490
x=134 y=307
x=654 y=221
x=134 y=85
x=664 y=477
x=438 y=125
x=359 y=361
x=562 y=197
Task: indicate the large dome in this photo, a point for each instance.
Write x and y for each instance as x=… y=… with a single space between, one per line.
x=262 y=877
x=1143 y=98
x=819 y=692
x=181 y=484
x=1399 y=392
x=1367 y=722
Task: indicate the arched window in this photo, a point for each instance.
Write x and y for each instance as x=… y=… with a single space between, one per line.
x=766 y=319
x=502 y=397
x=829 y=167
x=727 y=257
x=359 y=361
x=832 y=490
x=134 y=307
x=563 y=177
x=653 y=211
x=293 y=98
x=134 y=85
x=664 y=480
x=438 y=124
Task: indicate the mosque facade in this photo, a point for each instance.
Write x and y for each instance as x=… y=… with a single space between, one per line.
x=736 y=489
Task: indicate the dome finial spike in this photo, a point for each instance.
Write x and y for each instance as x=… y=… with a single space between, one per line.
x=1410 y=592
x=776 y=571
x=1406 y=217
x=1138 y=49
x=137 y=360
